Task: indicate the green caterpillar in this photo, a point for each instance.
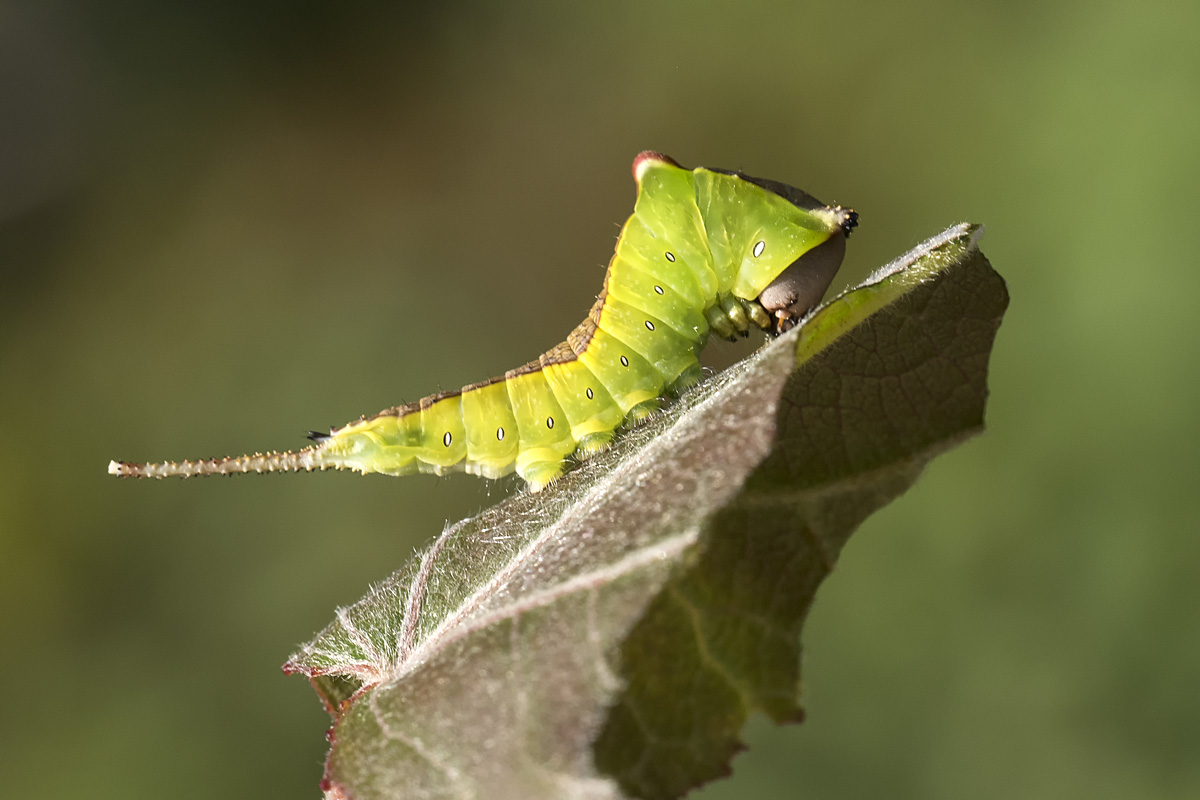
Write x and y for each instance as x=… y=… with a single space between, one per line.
x=705 y=251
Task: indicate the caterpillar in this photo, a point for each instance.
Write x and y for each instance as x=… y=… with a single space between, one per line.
x=706 y=251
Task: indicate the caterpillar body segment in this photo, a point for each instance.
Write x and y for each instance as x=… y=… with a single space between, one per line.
x=705 y=251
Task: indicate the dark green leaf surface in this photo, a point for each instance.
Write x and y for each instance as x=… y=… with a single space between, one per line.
x=610 y=636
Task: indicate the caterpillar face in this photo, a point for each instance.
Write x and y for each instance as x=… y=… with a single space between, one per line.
x=800 y=287
x=705 y=251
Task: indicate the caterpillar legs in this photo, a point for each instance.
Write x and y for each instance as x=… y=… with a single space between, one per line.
x=593 y=443
x=732 y=317
x=541 y=474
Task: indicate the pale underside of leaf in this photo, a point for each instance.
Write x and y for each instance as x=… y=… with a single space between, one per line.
x=608 y=637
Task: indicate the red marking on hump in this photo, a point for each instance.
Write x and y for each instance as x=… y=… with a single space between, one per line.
x=643 y=159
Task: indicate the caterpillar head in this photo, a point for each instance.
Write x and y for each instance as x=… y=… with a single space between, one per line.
x=800 y=287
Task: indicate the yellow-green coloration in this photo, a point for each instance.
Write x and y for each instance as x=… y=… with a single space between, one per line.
x=698 y=255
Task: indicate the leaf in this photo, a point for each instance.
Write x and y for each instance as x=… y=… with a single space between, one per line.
x=610 y=636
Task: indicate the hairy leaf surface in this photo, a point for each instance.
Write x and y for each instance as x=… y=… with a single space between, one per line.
x=609 y=637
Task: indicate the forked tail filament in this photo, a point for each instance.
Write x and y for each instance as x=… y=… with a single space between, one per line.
x=292 y=461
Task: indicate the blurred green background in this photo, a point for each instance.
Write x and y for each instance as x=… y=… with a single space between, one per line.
x=224 y=223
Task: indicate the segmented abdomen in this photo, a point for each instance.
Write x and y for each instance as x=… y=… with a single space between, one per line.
x=569 y=400
x=641 y=339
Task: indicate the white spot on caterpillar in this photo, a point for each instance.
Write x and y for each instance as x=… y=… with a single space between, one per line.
x=624 y=361
x=549 y=422
x=447 y=439
x=758 y=248
x=589 y=393
x=649 y=325
x=670 y=257
x=658 y=290
x=500 y=434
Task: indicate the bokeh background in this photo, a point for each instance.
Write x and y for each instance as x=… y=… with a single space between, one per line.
x=224 y=223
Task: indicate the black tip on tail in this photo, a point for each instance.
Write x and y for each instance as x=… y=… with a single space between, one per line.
x=317 y=436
